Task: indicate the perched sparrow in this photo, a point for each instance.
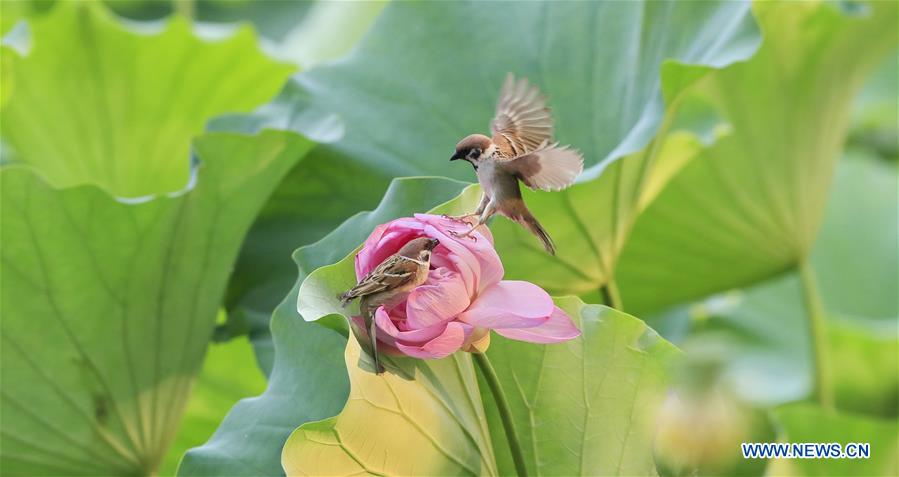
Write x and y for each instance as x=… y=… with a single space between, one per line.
x=521 y=149
x=389 y=283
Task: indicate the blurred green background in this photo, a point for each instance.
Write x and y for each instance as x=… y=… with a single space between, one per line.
x=167 y=166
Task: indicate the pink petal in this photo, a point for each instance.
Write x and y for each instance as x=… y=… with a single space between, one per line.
x=439 y=300
x=473 y=257
x=444 y=345
x=558 y=328
x=364 y=255
x=477 y=262
x=415 y=336
x=384 y=241
x=510 y=304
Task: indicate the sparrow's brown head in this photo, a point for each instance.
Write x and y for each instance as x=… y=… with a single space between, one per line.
x=473 y=148
x=419 y=249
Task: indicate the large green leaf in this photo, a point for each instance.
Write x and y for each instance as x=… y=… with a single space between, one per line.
x=750 y=206
x=318 y=194
x=108 y=303
x=428 y=421
x=329 y=30
x=585 y=407
x=856 y=258
x=120 y=106
x=13 y=12
x=875 y=122
x=404 y=111
x=807 y=423
x=312 y=200
x=308 y=381
x=303 y=386
x=229 y=374
x=765 y=341
x=108 y=306
x=590 y=221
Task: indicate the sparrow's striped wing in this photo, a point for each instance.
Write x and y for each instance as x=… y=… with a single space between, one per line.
x=549 y=167
x=522 y=121
x=390 y=274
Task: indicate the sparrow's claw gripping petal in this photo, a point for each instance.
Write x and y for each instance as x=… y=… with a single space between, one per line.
x=462 y=219
x=466 y=234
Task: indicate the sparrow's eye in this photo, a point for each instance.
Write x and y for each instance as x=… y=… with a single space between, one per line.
x=474 y=153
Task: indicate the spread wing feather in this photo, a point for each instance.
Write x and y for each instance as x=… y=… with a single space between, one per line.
x=522 y=120
x=549 y=167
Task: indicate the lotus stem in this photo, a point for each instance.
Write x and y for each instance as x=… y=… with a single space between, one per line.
x=610 y=294
x=185 y=8
x=505 y=413
x=814 y=311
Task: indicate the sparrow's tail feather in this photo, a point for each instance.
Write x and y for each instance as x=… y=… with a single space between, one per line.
x=531 y=224
x=346 y=297
x=524 y=217
x=368 y=315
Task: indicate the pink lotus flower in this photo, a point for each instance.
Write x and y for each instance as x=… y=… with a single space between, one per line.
x=463 y=299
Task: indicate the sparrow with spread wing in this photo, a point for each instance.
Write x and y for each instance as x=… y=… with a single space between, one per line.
x=521 y=149
x=389 y=283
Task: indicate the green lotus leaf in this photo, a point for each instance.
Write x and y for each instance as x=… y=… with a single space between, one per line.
x=428 y=422
x=590 y=221
x=874 y=124
x=329 y=30
x=122 y=114
x=308 y=381
x=855 y=258
x=6 y=59
x=763 y=341
x=13 y=12
x=229 y=374
x=315 y=197
x=318 y=194
x=108 y=304
x=750 y=206
x=585 y=407
x=406 y=113
x=762 y=333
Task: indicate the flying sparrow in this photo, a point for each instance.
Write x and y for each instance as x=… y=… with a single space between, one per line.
x=389 y=284
x=521 y=149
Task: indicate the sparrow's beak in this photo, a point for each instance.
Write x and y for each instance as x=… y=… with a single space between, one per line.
x=456 y=155
x=432 y=244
